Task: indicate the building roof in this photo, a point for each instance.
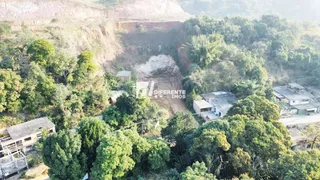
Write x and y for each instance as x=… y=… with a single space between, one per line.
x=202 y=104
x=30 y=127
x=291 y=95
x=307 y=106
x=295 y=85
x=314 y=90
x=223 y=101
x=124 y=73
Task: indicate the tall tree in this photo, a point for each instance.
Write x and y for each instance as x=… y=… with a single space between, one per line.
x=62 y=154
x=10 y=89
x=40 y=51
x=179 y=125
x=113 y=157
x=297 y=165
x=255 y=106
x=91 y=131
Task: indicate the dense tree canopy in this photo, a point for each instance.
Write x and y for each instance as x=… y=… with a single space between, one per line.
x=61 y=153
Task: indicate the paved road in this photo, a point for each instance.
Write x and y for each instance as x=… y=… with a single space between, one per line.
x=301 y=120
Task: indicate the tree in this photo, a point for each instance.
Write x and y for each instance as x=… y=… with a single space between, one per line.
x=208 y=146
x=85 y=67
x=158 y=155
x=10 y=88
x=240 y=161
x=40 y=50
x=61 y=153
x=113 y=157
x=312 y=133
x=117 y=119
x=128 y=104
x=5 y=29
x=91 y=131
x=204 y=50
x=179 y=125
x=198 y=171
x=297 y=165
x=255 y=106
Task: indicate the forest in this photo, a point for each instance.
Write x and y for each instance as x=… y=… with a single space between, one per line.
x=248 y=57
x=134 y=139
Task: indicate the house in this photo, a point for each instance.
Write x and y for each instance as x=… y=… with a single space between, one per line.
x=124 y=75
x=115 y=94
x=24 y=136
x=299 y=99
x=221 y=101
x=204 y=109
x=294 y=95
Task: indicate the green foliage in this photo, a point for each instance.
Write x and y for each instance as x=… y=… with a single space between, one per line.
x=198 y=171
x=91 y=131
x=61 y=153
x=40 y=50
x=10 y=88
x=5 y=29
x=158 y=155
x=85 y=66
x=116 y=119
x=204 y=50
x=179 y=125
x=297 y=165
x=113 y=81
x=128 y=109
x=255 y=106
x=113 y=157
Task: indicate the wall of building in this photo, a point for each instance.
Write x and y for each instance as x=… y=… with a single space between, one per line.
x=196 y=108
x=292 y=103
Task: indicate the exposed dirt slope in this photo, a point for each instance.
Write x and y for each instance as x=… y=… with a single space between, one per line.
x=137 y=10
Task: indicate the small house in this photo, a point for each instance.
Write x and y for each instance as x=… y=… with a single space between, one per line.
x=221 y=101
x=124 y=75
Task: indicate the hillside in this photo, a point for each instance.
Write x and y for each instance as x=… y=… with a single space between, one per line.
x=291 y=9
x=86 y=11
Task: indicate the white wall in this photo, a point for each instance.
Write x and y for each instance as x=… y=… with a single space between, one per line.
x=196 y=108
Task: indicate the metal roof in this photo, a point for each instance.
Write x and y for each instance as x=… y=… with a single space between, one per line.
x=124 y=73
x=291 y=95
x=202 y=104
x=29 y=127
x=223 y=101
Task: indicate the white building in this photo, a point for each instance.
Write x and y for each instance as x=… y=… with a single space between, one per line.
x=24 y=136
x=221 y=101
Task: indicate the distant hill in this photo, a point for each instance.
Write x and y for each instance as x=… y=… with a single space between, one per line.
x=307 y=10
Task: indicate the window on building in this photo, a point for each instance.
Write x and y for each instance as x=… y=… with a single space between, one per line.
x=39 y=135
x=27 y=139
x=51 y=131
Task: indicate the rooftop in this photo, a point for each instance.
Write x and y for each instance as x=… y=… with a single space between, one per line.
x=291 y=95
x=30 y=127
x=124 y=73
x=221 y=100
x=295 y=86
x=307 y=106
x=202 y=104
